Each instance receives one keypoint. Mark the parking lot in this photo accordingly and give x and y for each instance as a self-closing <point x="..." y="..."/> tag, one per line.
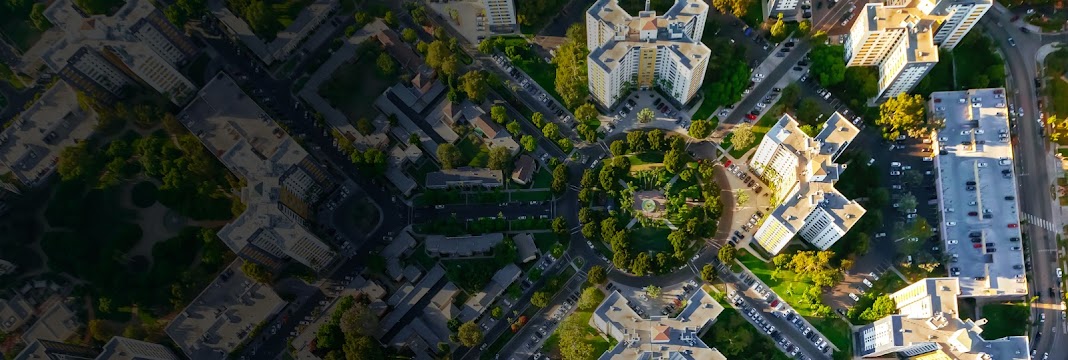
<point x="747" y="216"/>
<point x="792" y="334"/>
<point x="624" y="117"/>
<point x="528" y="342"/>
<point x="531" y="87"/>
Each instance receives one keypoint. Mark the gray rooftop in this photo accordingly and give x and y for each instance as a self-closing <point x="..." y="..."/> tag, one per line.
<point x="120" y="348"/>
<point x="465" y="176"/>
<point x="223" y="315"/>
<point x="14" y="313"/>
<point x="58" y="323"/>
<point x="30" y="146"/>
<point x="462" y="245"/>
<point x="977" y="148"/>
<point x="658" y="337"/>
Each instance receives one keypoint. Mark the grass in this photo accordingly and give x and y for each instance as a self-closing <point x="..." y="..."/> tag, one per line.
<point x="21" y="33"/>
<point x="726" y="335"/>
<point x="419" y="256"/>
<point x="1058" y="93"/>
<point x="419" y="172"/>
<point x="354" y="87"/>
<point x="759" y="129"/>
<point x="940" y="78"/>
<point x="590" y="336"/>
<point x="532" y="195"/>
<point x="472" y="151"/>
<point x="754" y="14"/>
<point x="545" y="241"/>
<point x="646" y="158"/>
<point x="543" y="179"/>
<point x="1006" y="319"/>
<point x="837" y="331"/>
<point x="650" y="238"/>
<point x="789" y="285"/>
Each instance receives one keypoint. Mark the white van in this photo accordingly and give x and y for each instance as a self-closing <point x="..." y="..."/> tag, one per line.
<point x="854" y="297"/>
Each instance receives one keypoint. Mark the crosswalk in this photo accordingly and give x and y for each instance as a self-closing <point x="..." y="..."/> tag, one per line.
<point x="1040" y="222"/>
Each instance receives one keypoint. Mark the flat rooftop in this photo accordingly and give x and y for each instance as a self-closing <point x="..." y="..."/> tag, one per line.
<point x="58" y="323"/>
<point x="223" y="315"/>
<point x="670" y="35"/>
<point x="976" y="187"/>
<point x="463" y="245"/>
<point x="658" y="337"/>
<point x="464" y="176"/>
<point x="30" y="146"/>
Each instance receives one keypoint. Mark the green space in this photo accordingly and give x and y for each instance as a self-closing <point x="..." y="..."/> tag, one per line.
<point x="1005" y="319"/>
<point x="533" y="15"/>
<point x="727" y="74"/>
<point x="418" y="172"/>
<point x="837" y="331"/>
<point x="143" y="194"/>
<point x="3" y="101"/>
<point x="472" y="151"/>
<point x="940" y="78"/>
<point x="973" y="64"/>
<point x="789" y="285"/>
<point x="754" y="14"/>
<point x="521" y="55"/>
<point x="887" y="284"/>
<point x="1049" y="21"/>
<point x="9" y="76"/>
<point x="650" y="238"/>
<point x="265" y="18"/>
<point x="24" y="21"/>
<point x="733" y="336"/>
<point x="542" y="179"/>
<point x="354" y="86"/>
<point x="576" y="328"/>
<point x="644" y="158"/>
<point x="759" y="129"/>
<point x="1057" y="87"/>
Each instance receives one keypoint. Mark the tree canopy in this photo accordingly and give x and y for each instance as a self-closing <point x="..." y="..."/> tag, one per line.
<point x="449" y="155"/>
<point x="828" y="64"/>
<point x="743" y="136"/>
<point x="903" y="115"/>
<point x="474" y="85"/>
<point x="470" y="334"/>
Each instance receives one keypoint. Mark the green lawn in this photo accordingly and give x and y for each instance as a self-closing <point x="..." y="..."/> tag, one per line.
<point x="1007" y="319"/>
<point x="789" y="285"/>
<point x="472" y="151"/>
<point x="759" y="129"/>
<point x="545" y="241"/>
<point x="754" y="14"/>
<point x="591" y="336"/>
<point x="837" y="331"/>
<point x="542" y="179"/>
<point x="1058" y="91"/>
<point x="733" y="336"/>
<point x="354" y="86"/>
<point x="646" y="158"/>
<point x="532" y="195"/>
<point x="419" y="172"/>
<point x="650" y="238"/>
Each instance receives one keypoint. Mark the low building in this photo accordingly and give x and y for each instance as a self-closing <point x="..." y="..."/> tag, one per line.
<point x="224" y="315"/>
<point x="525" y="166"/>
<point x="57" y="350"/>
<point x="525" y="247"/>
<point x="462" y="246"/>
<point x="58" y="323"/>
<point x="478" y="303"/>
<point x="802" y="171"/>
<point x="404" y="300"/>
<point x="286" y="41"/>
<point x="928" y="324"/>
<point x="30" y="146"/>
<point x="399" y="247"/>
<point x="14" y="313"/>
<point x="408" y="58"/>
<point x="120" y="348"/>
<point x="464" y="177"/>
<point x="658" y="337"/>
<point x="500" y="15"/>
<point x="6" y="267"/>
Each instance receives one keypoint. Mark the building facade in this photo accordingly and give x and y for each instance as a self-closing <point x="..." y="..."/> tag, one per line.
<point x="801" y="172"/>
<point x="500" y="15"/>
<point x="646" y="51"/>
<point x="902" y="38"/>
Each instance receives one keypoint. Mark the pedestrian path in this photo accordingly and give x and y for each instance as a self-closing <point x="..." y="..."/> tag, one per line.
<point x="1040" y="222"/>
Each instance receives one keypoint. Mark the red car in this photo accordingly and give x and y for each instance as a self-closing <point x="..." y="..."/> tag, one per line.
<point x="728" y="163"/>
<point x="750" y="116"/>
<point x="977" y="246"/>
<point x="1013" y="226"/>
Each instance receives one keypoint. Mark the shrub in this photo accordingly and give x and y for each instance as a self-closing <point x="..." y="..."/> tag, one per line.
<point x="143" y="194"/>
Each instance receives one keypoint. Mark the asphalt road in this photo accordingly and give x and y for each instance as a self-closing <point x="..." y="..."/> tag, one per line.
<point x="1034" y="180"/>
<point x="763" y="88"/>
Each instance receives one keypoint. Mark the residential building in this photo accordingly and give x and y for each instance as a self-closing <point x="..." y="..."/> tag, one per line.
<point x="462" y="246"/>
<point x="120" y="348"/>
<point x="6" y="267"/>
<point x="902" y="38"/>
<point x="500" y="15"/>
<point x="405" y="300"/>
<point x="464" y="177"/>
<point x="56" y="350"/>
<point x="286" y="41"/>
<point x="58" y="323"/>
<point x="928" y="325"/>
<point x="641" y="52"/>
<point x="801" y="171"/>
<point x="658" y="337"/>
<point x="787" y="8"/>
<point x="30" y="146"/>
<point x="14" y="313"/>
<point x="104" y="55"/>
<point x="223" y="316"/>
<point x="400" y="246"/>
<point x="478" y="303"/>
<point x="524" y="169"/>
<point x="284" y="183"/>
<point x="977" y="191"/>
<point x="526" y="249"/>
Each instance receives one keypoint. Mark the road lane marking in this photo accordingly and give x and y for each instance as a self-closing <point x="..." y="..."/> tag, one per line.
<point x="1040" y="222"/>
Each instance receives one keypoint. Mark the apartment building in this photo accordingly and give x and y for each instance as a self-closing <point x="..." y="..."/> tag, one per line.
<point x="902" y="38"/>
<point x="284" y="184"/>
<point x="500" y="15"/>
<point x="801" y="171"/>
<point x="30" y="146"/>
<point x="286" y="41"/>
<point x="928" y="325"/>
<point x="658" y="337"/>
<point x="104" y="55"/>
<point x="640" y="52"/>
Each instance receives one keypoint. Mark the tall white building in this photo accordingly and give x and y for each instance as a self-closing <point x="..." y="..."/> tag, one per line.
<point x="928" y="325"/>
<point x="902" y="38"/>
<point x="645" y="51"/>
<point x="500" y="15"/>
<point x="801" y="172"/>
<point x="101" y="55"/>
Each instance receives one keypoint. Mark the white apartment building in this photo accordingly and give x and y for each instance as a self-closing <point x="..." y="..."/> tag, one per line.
<point x="500" y="15"/>
<point x="928" y="326"/>
<point x="628" y="52"/>
<point x="283" y="181"/>
<point x="902" y="38"/>
<point x="801" y="172"/>
<point x="101" y="55"/>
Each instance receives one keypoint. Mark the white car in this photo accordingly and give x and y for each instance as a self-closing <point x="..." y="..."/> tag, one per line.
<point x="951" y="242"/>
<point x="928" y="159"/>
<point x="951" y="223"/>
<point x="981" y="164"/>
<point x="895" y="164"/>
<point x="1059" y="273"/>
<point x="895" y="173"/>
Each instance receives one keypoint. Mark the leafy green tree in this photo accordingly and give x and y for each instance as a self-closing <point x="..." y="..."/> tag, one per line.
<point x="804" y="27"/>
<point x="903" y="115"/>
<point x="596" y="275"/>
<point x="700" y="129"/>
<point x="727" y="255"/>
<point x="808" y="111"/>
<point x="499" y="157"/>
<point x="708" y="273"/>
<point x="636" y="140"/>
<point x="743" y="136"/>
<point x="537" y="119"/>
<point x="655" y="139"/>
<point x="413" y="139"/>
<point x="362" y="348"/>
<point x="496" y="312"/>
<point x="470" y="334"/>
<point x="551" y="131"/>
<point x="38" y="18"/>
<point x="590" y="298"/>
<point x="653" y="291"/>
<point x="529" y="143"/>
<point x="409" y="35"/>
<point x="559" y="227"/>
<point x="591" y="230"/>
<point x="513" y="128"/>
<point x="362" y="18"/>
<point x="474" y="85"/>
<point x="778" y="30"/>
<point x="645" y="115"/>
<point x="674" y="161"/>
<point x="570" y="81"/>
<point x="790" y="94"/>
<point x="560" y="179"/>
<point x="586" y="113"/>
<point x="359" y="320"/>
<point x="364" y="126"/>
<point x="449" y="155"/>
<point x="386" y="65"/>
<point x="257" y="272"/>
<point x="618" y="147"/>
<point x="539" y="299"/>
<point x="572" y="335"/>
<point x="390" y="19"/>
<point x="75" y="162"/>
<point x="862" y="82"/>
<point x="641" y="264"/>
<point x="499" y="114"/>
<point x="828" y="64"/>
<point x="907" y="203"/>
<point x="883" y="306"/>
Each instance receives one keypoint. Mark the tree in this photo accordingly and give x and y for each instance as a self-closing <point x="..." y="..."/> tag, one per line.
<point x="645" y="115"/>
<point x="591" y="230"/>
<point x="1058" y="128"/>
<point x="560" y="179"/>
<point x="863" y="82"/>
<point x="743" y="136"/>
<point x="529" y="143"/>
<point x="570" y="62"/>
<point x="726" y="255"/>
<point x="38" y="18"/>
<point x="559" y="227"/>
<point x="778" y="30"/>
<point x="596" y="275"/>
<point x="257" y="272"/>
<point x="641" y="264"/>
<point x="804" y="27"/>
<point x="413" y="139"/>
<point x="499" y="114"/>
<point x="781" y="261"/>
<point x="390" y="19"/>
<point x="101" y="331"/>
<point x="449" y="155"/>
<point x="496" y="312"/>
<point x="537" y="119"/>
<point x="364" y="126"/>
<point x="513" y="128"/>
<point x="470" y="334"/>
<point x="362" y="348"/>
<point x="539" y="299"/>
<point x="700" y="129"/>
<point x="362" y="18"/>
<point x="808" y="111"/>
<point x="590" y="298"/>
<point x="409" y="35"/>
<point x="618" y="147"/>
<point x="828" y="64"/>
<point x="911" y="177"/>
<point x="551" y="131"/>
<point x="586" y="113"/>
<point x="261" y="17"/>
<point x="499" y="157"/>
<point x="901" y="115"/>
<point x="653" y="291"/>
<point x="359" y="320"/>
<point x="655" y="139"/>
<point x="474" y="85"/>
<point x="906" y="203"/>
<point x="104" y="304"/>
<point x="883" y="306"/>
<point x="572" y="335"/>
<point x="386" y="65"/>
<point x="674" y="161"/>
<point x="75" y="162"/>
<point x="708" y="273"/>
